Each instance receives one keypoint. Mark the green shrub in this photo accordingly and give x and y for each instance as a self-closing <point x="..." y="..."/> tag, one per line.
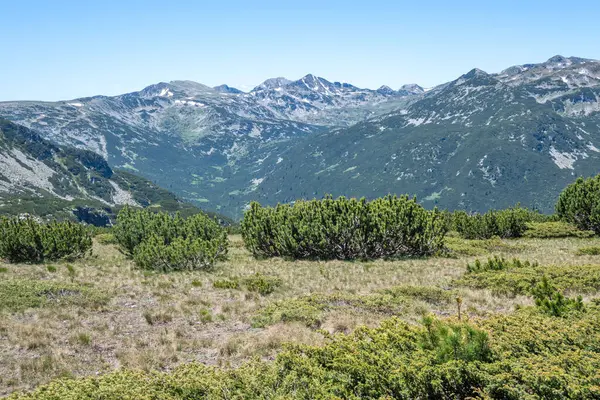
<point x="579" y="204"/>
<point x="522" y="280"/>
<point x="498" y="264"/>
<point x="233" y="283"/>
<point x="26" y="240"/>
<point x="554" y="229"/>
<point x="455" y="341"/>
<point x="509" y="223"/>
<point x="553" y="302"/>
<point x="162" y="242"/>
<point x="588" y="251"/>
<point x="180" y="254"/>
<point x="262" y="284"/>
<point x="343" y="229"/>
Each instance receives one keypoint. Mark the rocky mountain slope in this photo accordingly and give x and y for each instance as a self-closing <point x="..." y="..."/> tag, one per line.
<point x="200" y="142"/>
<point x="480" y="141"/>
<point x="41" y="178"/>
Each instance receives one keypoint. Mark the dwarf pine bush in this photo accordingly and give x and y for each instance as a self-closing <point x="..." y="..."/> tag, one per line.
<point x="163" y="242"/>
<point x="498" y="264"/>
<point x="552" y="302"/>
<point x="27" y="240"/>
<point x="509" y="223"/>
<point x="579" y="204"/>
<point x="263" y="284"/>
<point x="343" y="229"/>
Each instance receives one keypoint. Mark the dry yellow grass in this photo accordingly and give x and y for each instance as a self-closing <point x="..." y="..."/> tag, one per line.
<point x="156" y="321"/>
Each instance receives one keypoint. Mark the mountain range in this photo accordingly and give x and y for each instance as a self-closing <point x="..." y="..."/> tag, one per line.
<point x="480" y="141"/>
<point x="48" y="180"/>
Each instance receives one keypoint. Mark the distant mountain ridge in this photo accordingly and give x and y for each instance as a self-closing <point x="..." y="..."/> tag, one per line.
<point x="482" y="140"/>
<point x="45" y="179"/>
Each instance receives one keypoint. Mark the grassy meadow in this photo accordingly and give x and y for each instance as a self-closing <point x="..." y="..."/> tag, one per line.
<point x="100" y="313"/>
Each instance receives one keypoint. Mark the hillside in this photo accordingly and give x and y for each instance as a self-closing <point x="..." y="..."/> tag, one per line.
<point x="207" y="141"/>
<point x="477" y="142"/>
<point x="45" y="179"/>
<point x="481" y="141"/>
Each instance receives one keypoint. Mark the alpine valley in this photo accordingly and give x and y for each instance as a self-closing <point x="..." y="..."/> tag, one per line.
<point x="480" y="141"/>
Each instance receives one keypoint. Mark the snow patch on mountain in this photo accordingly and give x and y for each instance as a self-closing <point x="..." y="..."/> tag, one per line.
<point x="563" y="160"/>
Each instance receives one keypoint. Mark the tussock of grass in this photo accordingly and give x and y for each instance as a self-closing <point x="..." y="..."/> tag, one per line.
<point x="22" y="294"/>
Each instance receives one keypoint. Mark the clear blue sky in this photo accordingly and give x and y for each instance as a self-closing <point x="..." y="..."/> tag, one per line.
<point x="63" y="49"/>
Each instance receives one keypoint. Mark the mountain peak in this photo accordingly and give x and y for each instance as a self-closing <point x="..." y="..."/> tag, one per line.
<point x="189" y="87"/>
<point x="161" y="89"/>
<point x="273" y="83"/>
<point x="386" y="90"/>
<point x="310" y="77"/>
<point x="558" y="59"/>
<point x="475" y="73"/>
<point x="412" y="88"/>
<point x="227" y="89"/>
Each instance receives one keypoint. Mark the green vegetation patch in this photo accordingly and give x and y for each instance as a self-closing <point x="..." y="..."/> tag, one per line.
<point x="520" y="277"/>
<point x="259" y="283"/>
<point x="525" y="355"/>
<point x="263" y="284"/>
<point x="30" y="241"/>
<point x="22" y="294"/>
<point x="498" y="264"/>
<point x="344" y="229"/>
<point x="106" y="238"/>
<point x="164" y="242"/>
<point x="508" y="223"/>
<point x="467" y="247"/>
<point x="310" y="310"/>
<point x="227" y="283"/>
<point x="555" y="229"/>
<point x="579" y="204"/>
<point x="588" y="251"/>
<point x="551" y="301"/>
